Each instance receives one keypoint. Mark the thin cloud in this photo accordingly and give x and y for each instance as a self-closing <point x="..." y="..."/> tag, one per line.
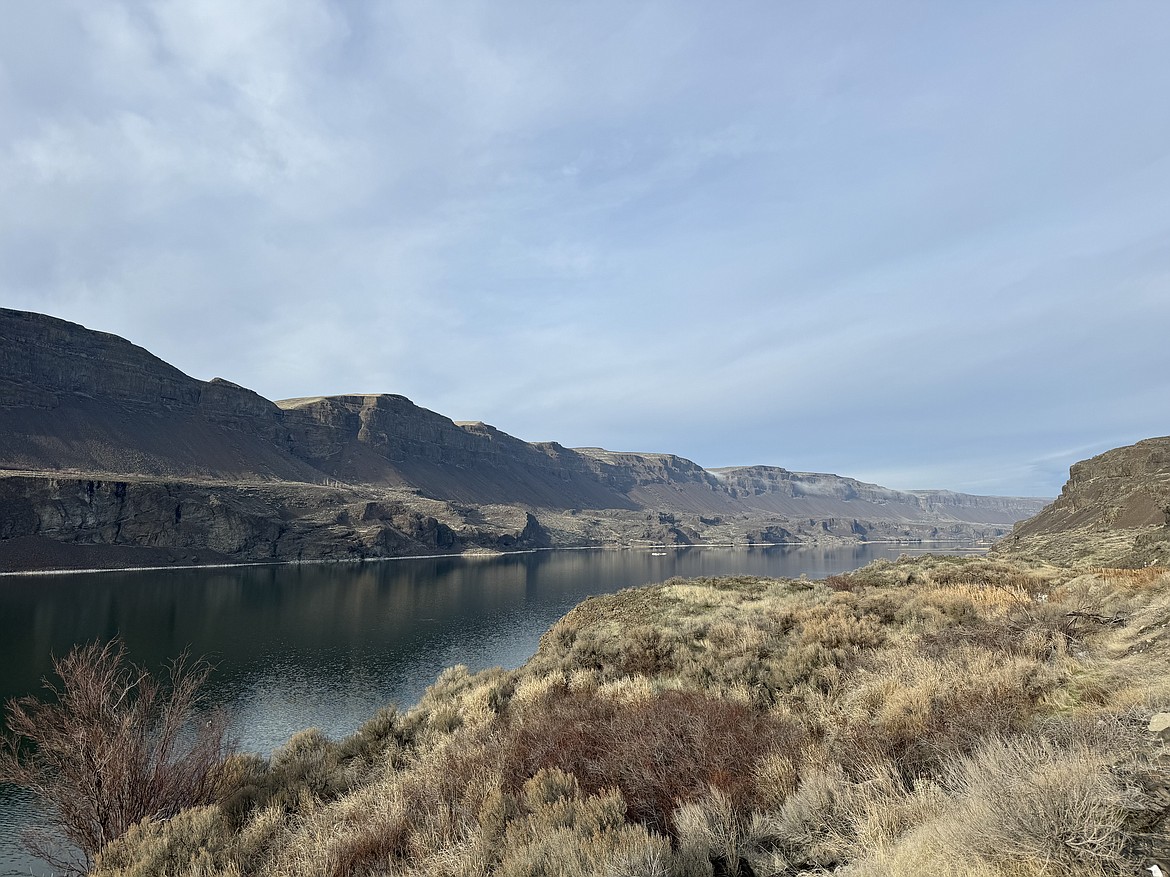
<point x="919" y="244"/>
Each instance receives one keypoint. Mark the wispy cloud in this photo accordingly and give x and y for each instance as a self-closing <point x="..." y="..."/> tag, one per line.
<point x="918" y="244"/>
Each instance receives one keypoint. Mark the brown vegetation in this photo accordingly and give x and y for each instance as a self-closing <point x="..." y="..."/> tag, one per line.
<point x="931" y="715"/>
<point x="660" y="752"/>
<point x="112" y="746"/>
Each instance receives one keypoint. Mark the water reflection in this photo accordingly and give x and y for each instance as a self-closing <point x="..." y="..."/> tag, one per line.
<point x="326" y="645"/>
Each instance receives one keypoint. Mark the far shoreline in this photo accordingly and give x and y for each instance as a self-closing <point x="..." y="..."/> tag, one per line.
<point x="483" y="554"/>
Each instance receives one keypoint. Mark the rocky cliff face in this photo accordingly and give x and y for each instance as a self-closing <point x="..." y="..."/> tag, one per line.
<point x="44" y="361"/>
<point x="388" y="440"/>
<point x="89" y="402"/>
<point x="1113" y="511"/>
<point x="769" y="488"/>
<point x="48" y="522"/>
<point x="966" y="507"/>
<point x="103" y="445"/>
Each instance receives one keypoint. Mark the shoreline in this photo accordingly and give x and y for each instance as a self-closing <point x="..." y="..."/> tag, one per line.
<point x="642" y="545"/>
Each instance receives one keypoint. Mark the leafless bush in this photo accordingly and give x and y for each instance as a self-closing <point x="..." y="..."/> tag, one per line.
<point x="112" y="745"/>
<point x="842" y="583"/>
<point x="659" y="753"/>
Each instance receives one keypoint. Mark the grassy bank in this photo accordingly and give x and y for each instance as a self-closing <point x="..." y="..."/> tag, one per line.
<point x="944" y="715"/>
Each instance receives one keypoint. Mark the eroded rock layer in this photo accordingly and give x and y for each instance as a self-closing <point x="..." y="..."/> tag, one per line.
<point x="1114" y="510"/>
<point x="112" y="457"/>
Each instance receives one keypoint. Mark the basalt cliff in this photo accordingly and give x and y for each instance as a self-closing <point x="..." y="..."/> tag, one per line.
<point x="111" y="457"/>
<point x="1114" y="511"/>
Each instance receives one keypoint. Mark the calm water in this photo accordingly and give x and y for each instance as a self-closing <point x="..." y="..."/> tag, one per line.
<point x="326" y="645"/>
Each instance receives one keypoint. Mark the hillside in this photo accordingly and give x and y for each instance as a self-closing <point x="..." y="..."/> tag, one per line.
<point x="111" y="457"/>
<point x="1114" y="510"/>
<point x="925" y="716"/>
<point x="995" y="717"/>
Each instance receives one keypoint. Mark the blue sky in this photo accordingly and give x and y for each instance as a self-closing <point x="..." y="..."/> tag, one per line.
<point x="920" y="244"/>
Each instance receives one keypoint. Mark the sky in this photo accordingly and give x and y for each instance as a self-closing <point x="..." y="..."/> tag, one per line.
<point x="926" y="245"/>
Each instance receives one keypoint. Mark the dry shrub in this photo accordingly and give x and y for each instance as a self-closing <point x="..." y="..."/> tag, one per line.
<point x="944" y="641"/>
<point x="776" y="778"/>
<point x="919" y="712"/>
<point x="832" y="819"/>
<point x="309" y="763"/>
<point x="374" y="841"/>
<point x="645" y="650"/>
<point x="713" y="830"/>
<point x="647" y="631"/>
<point x="746" y="637"/>
<point x="1114" y="598"/>
<point x="559" y="831"/>
<point x="840" y="625"/>
<point x="1027" y="800"/>
<point x="984" y="574"/>
<point x="1139" y="579"/>
<point x="1037" y="630"/>
<point x="843" y="583"/>
<point x="1022" y="807"/>
<point x="823" y="642"/>
<point x="245" y="784"/>
<point x="485" y="693"/>
<point x="813" y="827"/>
<point x="610" y="651"/>
<point x="456" y="778"/>
<point x="186" y="842"/>
<point x="989" y="596"/>
<point x="918" y="853"/>
<point x="254" y="843"/>
<point x="196" y="841"/>
<point x="882" y="808"/>
<point x="377" y="736"/>
<point x="926" y="572"/>
<point x="112" y="745"/>
<point x="421" y="812"/>
<point x="307" y="771"/>
<point x="660" y="752"/>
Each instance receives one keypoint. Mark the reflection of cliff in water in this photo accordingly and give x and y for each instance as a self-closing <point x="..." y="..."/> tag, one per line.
<point x="393" y="624"/>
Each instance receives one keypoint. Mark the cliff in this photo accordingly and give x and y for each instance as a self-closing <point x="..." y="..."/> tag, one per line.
<point x="1114" y="510"/>
<point x="797" y="494"/>
<point x="89" y="402"/>
<point x="110" y="456"/>
<point x="388" y="440"/>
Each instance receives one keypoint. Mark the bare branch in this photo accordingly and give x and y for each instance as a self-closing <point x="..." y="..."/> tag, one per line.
<point x="111" y="746"/>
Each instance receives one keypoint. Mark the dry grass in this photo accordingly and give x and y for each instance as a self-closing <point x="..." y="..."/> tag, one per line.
<point x="962" y="715"/>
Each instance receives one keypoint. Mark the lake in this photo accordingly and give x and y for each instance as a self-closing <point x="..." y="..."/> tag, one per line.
<point x="327" y="644"/>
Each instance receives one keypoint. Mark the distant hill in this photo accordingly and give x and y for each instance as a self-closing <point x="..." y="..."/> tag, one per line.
<point x="110" y="456"/>
<point x="1113" y="511"/>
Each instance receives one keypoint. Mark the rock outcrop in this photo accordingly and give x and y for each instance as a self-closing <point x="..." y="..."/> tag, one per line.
<point x="387" y="439"/>
<point x="798" y="494"/>
<point x="142" y="522"/>
<point x="89" y="402"/>
<point x="103" y="446"/>
<point x="1113" y="511"/>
